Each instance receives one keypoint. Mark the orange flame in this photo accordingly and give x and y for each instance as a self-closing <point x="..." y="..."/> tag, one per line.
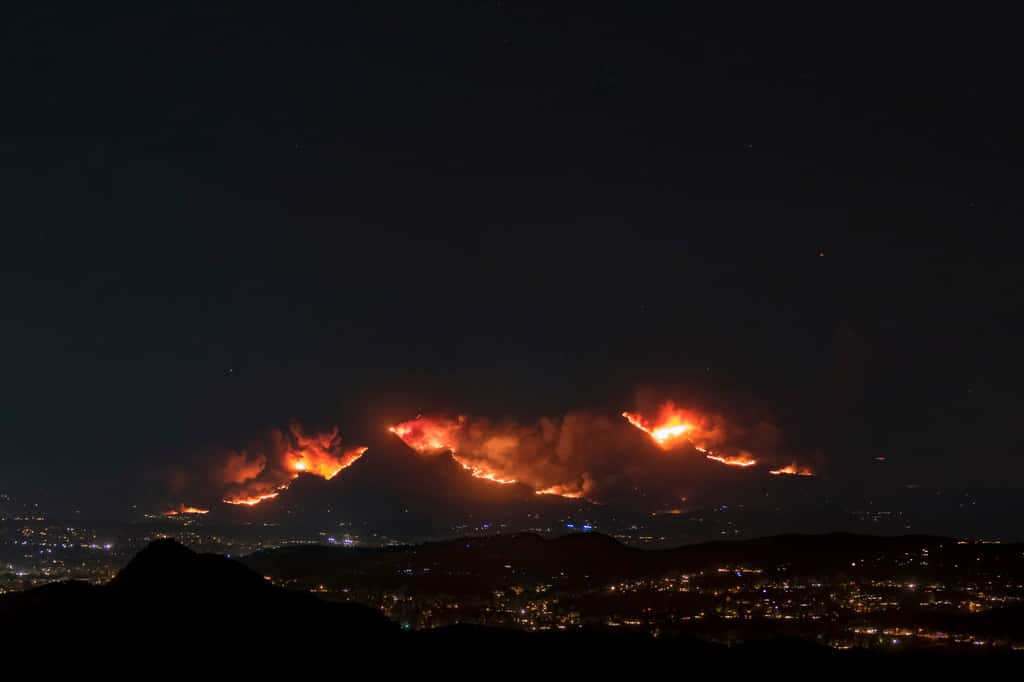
<point x="670" y="427"/>
<point x="294" y="454"/>
<point x="562" y="490"/>
<point x="481" y="471"/>
<point x="792" y="470"/>
<point x="434" y="434"/>
<point x="185" y="509"/>
<point x="317" y="460"/>
<point x="675" y="426"/>
<point x="253" y="500"/>
<point x="742" y="460"/>
<point x="428" y="434"/>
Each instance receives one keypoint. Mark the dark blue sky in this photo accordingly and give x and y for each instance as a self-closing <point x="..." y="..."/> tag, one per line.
<point x="217" y="219"/>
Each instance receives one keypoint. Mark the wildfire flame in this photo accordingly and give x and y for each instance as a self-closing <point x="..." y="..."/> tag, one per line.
<point x="185" y="509"/>
<point x="252" y="500"/>
<point x="480" y="471"/>
<point x="792" y="470"/>
<point x="295" y="454"/>
<point x="562" y="490"/>
<point x="670" y="426"/>
<point x="431" y="434"/>
<point x="577" y="455"/>
<point x="674" y="426"/>
<point x="315" y="459"/>
<point x="741" y="460"/>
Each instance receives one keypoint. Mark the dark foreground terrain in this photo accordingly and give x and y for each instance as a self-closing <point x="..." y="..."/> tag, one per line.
<point x="173" y="605"/>
<point x="839" y="590"/>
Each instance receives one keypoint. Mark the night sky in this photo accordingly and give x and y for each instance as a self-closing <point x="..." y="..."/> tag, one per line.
<point x="217" y="219"/>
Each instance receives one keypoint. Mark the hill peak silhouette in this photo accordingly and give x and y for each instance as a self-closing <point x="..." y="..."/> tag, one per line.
<point x="166" y="567"/>
<point x="168" y="589"/>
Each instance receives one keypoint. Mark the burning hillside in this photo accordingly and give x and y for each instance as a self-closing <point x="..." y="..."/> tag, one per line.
<point x="674" y="426"/>
<point x="792" y="470"/>
<point x="660" y="454"/>
<point x="184" y="509"/>
<point x="435" y="436"/>
<point x="254" y="478"/>
<point x="548" y="456"/>
<point x="591" y="455"/>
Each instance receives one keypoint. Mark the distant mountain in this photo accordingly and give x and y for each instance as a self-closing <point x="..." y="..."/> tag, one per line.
<point x="459" y="566"/>
<point x="589" y="560"/>
<point x="394" y="490"/>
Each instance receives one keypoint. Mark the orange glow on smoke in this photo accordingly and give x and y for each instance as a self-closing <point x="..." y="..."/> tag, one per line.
<point x="792" y="470"/>
<point x="428" y="434"/>
<point x="482" y="471"/>
<point x="674" y="426"/>
<point x="185" y="509"/>
<point x="294" y="453"/>
<point x="434" y="434"/>
<point x="315" y="459"/>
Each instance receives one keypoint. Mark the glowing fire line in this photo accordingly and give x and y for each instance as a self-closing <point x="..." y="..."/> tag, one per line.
<point x="562" y="491"/>
<point x="663" y="433"/>
<point x="316" y="456"/>
<point x="673" y="425"/>
<point x="481" y="473"/>
<point x="792" y="470"/>
<point x="185" y="509"/>
<point x="425" y="435"/>
<point x="738" y="461"/>
<point x="253" y="499"/>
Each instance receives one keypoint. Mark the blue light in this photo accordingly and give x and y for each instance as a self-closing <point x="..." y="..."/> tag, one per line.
<point x="569" y="525"/>
<point x="587" y="526"/>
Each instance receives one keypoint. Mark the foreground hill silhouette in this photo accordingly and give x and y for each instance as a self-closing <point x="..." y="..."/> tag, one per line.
<point x="169" y="590"/>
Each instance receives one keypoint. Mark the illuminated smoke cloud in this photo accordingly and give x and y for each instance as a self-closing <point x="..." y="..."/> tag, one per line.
<point x="239" y="468"/>
<point x="253" y="478"/>
<point x="710" y="434"/>
<point x="655" y="453"/>
<point x="581" y="454"/>
<point x="661" y="452"/>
